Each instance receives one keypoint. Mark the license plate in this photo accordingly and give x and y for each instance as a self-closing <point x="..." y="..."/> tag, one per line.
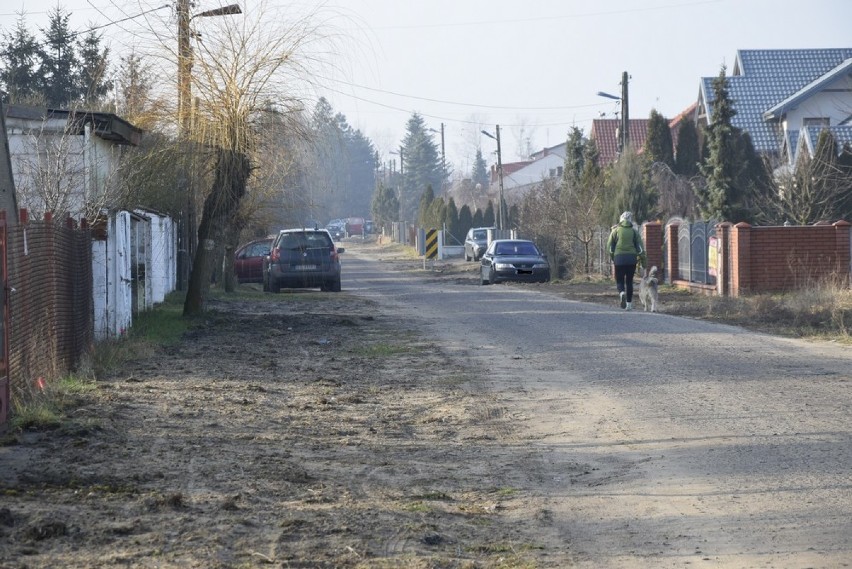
<point x="525" y="271"/>
<point x="305" y="267"/>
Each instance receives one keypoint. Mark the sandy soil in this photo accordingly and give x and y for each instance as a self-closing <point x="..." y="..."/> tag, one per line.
<point x="301" y="430"/>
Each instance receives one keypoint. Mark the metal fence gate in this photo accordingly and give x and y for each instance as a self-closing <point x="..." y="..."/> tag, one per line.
<point x="694" y="239"/>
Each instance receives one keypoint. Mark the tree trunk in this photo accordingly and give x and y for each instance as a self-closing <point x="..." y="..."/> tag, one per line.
<point x="232" y="171"/>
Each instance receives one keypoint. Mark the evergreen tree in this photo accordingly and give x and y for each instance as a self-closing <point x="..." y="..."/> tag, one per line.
<point x="58" y="60"/>
<point x="465" y="220"/>
<point x="574" y="158"/>
<point x="19" y="54"/>
<point x="488" y="216"/>
<point x="480" y="170"/>
<point x="658" y="144"/>
<point x="423" y="210"/>
<point x="717" y="199"/>
<point x="385" y="206"/>
<point x="688" y="154"/>
<point x="92" y="83"/>
<point x="422" y="164"/>
<point x="479" y="218"/>
<point x="451" y="220"/>
<point x="629" y="189"/>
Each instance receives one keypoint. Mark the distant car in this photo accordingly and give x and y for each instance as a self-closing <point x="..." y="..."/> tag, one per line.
<point x="248" y="260"/>
<point x="337" y="230"/>
<point x="516" y="260"/>
<point x="475" y="243"/>
<point x="303" y="258"/>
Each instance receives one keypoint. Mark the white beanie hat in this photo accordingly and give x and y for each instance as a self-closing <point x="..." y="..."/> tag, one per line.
<point x="626" y="216"/>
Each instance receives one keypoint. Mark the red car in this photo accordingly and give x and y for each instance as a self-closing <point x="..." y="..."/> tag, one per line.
<point x="248" y="260"/>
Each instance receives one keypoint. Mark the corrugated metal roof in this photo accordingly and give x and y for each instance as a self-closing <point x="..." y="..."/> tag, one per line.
<point x="763" y="78"/>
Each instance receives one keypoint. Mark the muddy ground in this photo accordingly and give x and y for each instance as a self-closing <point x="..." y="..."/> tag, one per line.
<point x="292" y="430"/>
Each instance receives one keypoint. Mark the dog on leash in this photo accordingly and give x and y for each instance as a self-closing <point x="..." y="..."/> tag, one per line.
<point x="648" y="289"/>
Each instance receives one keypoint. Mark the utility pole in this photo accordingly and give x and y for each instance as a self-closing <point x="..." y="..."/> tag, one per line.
<point x="625" y="117"/>
<point x="500" y="212"/>
<point x="443" y="159"/>
<point x="184" y="68"/>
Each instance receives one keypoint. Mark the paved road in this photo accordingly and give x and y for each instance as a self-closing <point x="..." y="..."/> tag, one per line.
<point x="653" y="441"/>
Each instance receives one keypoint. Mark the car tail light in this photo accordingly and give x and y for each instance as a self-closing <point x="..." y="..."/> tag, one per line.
<point x="275" y="255"/>
<point x="333" y="254"/>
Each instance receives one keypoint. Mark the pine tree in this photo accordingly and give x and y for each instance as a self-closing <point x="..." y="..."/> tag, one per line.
<point x="574" y="158"/>
<point x="422" y="164"/>
<point x="658" y="144"/>
<point x="58" y="60"/>
<point x="19" y="77"/>
<point x="480" y="170"/>
<point x="92" y="83"/>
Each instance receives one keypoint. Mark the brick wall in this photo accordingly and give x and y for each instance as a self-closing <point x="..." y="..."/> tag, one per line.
<point x="771" y="259"/>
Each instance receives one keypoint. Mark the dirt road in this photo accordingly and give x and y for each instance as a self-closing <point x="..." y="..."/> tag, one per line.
<point x="361" y="429"/>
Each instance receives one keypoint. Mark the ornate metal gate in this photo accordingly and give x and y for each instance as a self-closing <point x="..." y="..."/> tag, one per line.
<point x="693" y="243"/>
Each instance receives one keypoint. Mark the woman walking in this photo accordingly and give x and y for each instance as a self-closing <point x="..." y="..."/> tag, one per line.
<point x="625" y="250"/>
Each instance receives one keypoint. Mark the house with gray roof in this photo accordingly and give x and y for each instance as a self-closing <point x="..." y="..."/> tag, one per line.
<point x="785" y="97"/>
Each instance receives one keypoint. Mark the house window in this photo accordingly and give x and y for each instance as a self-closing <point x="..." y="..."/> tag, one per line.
<point x="559" y="171"/>
<point x="816" y="121"/>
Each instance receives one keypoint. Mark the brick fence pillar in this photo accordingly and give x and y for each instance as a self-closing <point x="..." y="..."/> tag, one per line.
<point x="671" y="253"/>
<point x="652" y="237"/>
<point x="843" y="241"/>
<point x="723" y="276"/>
<point x="741" y="259"/>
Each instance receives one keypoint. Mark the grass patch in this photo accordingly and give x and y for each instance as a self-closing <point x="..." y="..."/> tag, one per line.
<point x="383" y="350"/>
<point x="417" y="506"/>
<point x="164" y="324"/>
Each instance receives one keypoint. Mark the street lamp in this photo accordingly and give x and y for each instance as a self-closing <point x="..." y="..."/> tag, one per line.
<point x="624" y="134"/>
<point x="185" y="56"/>
<point x="500" y="212"/>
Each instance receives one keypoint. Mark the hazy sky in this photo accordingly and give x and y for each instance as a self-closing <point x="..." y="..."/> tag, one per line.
<point x="534" y="68"/>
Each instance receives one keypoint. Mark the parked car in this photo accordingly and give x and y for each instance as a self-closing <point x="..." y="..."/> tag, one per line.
<point x="248" y="260"/>
<point x="475" y="243"/>
<point x="513" y="260"/>
<point x="303" y="258"/>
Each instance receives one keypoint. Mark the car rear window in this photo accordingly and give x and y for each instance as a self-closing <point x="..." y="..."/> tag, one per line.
<point x="309" y="240"/>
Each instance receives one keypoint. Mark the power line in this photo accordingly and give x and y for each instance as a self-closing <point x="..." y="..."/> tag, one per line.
<point x="476" y="105"/>
<point x="448" y="119"/>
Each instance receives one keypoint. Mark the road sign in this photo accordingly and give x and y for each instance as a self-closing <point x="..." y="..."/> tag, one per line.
<point x="431" y="243"/>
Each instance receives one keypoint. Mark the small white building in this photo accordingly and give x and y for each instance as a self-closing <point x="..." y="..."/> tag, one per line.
<point x="65" y="161"/>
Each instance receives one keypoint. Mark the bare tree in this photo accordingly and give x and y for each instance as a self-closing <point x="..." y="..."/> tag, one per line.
<point x="816" y="190"/>
<point x="675" y="193"/>
<point x="242" y="69"/>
